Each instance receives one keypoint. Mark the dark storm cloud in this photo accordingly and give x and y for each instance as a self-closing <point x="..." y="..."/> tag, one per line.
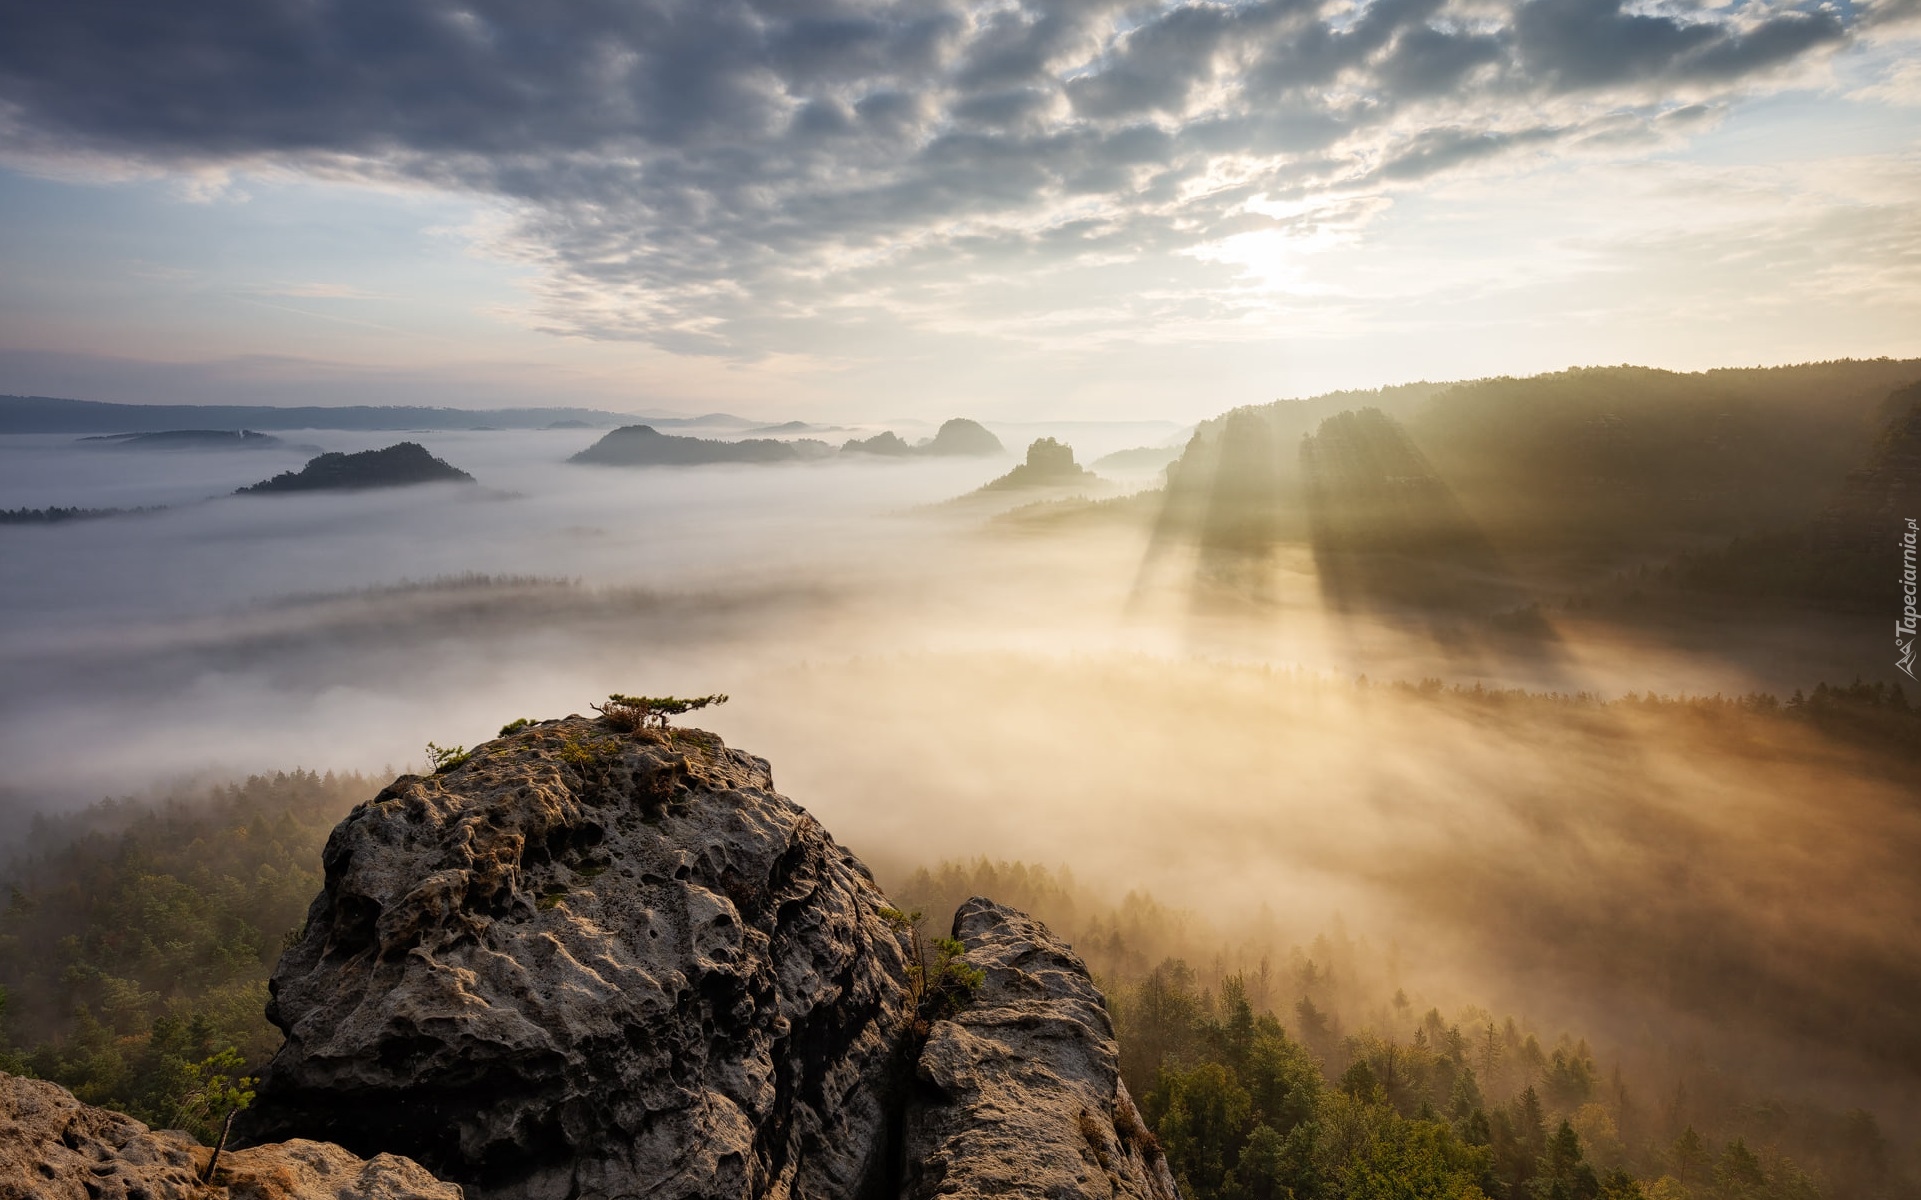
<point x="1427" y="61"/>
<point x="678" y="165"/>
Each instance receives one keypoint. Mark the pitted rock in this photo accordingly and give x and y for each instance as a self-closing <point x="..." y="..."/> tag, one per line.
<point x="587" y="963"/>
<point x="1021" y="1093"/>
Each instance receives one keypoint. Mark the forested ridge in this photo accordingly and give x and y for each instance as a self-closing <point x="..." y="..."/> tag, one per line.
<point x="137" y="937"/>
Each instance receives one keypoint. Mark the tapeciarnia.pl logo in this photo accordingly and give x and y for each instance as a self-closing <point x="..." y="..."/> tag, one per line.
<point x="1904" y="629"/>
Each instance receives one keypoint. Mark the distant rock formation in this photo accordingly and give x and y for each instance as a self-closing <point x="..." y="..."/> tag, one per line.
<point x="957" y="438"/>
<point x="53" y="1147"/>
<point x="188" y="439"/>
<point x="400" y="465"/>
<point x="887" y="444"/>
<point x="1049" y="464"/>
<point x="591" y="963"/>
<point x="961" y="437"/>
<point x="1022" y="1091"/>
<point x="645" y="446"/>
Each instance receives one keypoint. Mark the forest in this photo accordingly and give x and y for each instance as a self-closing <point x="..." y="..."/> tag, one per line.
<point x="1628" y="490"/>
<point x="137" y="939"/>
<point x="138" y="935"/>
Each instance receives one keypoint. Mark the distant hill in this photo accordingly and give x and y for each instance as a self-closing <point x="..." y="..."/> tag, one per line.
<point x="1846" y="559"/>
<point x="399" y="465"/>
<point x="1140" y="459"/>
<point x="957" y="438"/>
<point x="1616" y="457"/>
<point x="786" y="427"/>
<point x="960" y="437"/>
<point x="187" y="439"/>
<point x="1049" y="464"/>
<point x="48" y="414"/>
<point x="645" y="446"/>
<point x="887" y="445"/>
<point x="1870" y="513"/>
<point x="53" y="516"/>
<point x="1611" y="460"/>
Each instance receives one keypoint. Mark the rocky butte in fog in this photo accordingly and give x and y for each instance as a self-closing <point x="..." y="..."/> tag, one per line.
<point x="645" y="446"/>
<point x="958" y="437"/>
<point x="399" y="465"/>
<point x="593" y="962"/>
<point x="1049" y="464"/>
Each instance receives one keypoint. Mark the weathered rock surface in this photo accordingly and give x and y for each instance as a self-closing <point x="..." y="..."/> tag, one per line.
<point x="302" y="1170"/>
<point x="592" y="964"/>
<point x="53" y="1147"/>
<point x="1021" y="1093"/>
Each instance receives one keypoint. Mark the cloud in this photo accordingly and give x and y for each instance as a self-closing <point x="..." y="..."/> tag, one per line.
<point x="1578" y="44"/>
<point x="1435" y="150"/>
<point x="683" y="172"/>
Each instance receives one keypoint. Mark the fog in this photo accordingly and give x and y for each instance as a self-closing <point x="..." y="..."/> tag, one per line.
<point x="940" y="680"/>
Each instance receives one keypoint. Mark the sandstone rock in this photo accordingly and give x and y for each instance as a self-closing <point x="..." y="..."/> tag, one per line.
<point x="302" y="1170"/>
<point x="591" y="964"/>
<point x="1021" y="1093"/>
<point x="53" y="1147"/>
<point x="1050" y="464"/>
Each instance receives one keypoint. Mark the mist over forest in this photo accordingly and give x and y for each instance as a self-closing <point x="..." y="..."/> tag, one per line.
<point x="960" y="600"/>
<point x="1521" y="742"/>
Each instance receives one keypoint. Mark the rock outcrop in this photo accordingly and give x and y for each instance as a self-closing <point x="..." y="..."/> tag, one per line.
<point x="53" y="1147"/>
<point x="886" y="444"/>
<point x="591" y="962"/>
<point x="1049" y="464"/>
<point x="1021" y="1093"/>
<point x="402" y="464"/>
<point x="958" y="437"/>
<point x="587" y="963"/>
<point x="962" y="437"/>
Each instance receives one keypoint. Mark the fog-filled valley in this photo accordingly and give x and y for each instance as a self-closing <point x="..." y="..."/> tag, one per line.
<point x="1568" y="700"/>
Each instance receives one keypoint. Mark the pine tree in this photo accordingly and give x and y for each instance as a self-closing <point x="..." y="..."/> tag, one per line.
<point x="1690" y="1155"/>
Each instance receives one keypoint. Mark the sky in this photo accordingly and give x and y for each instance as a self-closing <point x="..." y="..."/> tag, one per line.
<point x="857" y="210"/>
